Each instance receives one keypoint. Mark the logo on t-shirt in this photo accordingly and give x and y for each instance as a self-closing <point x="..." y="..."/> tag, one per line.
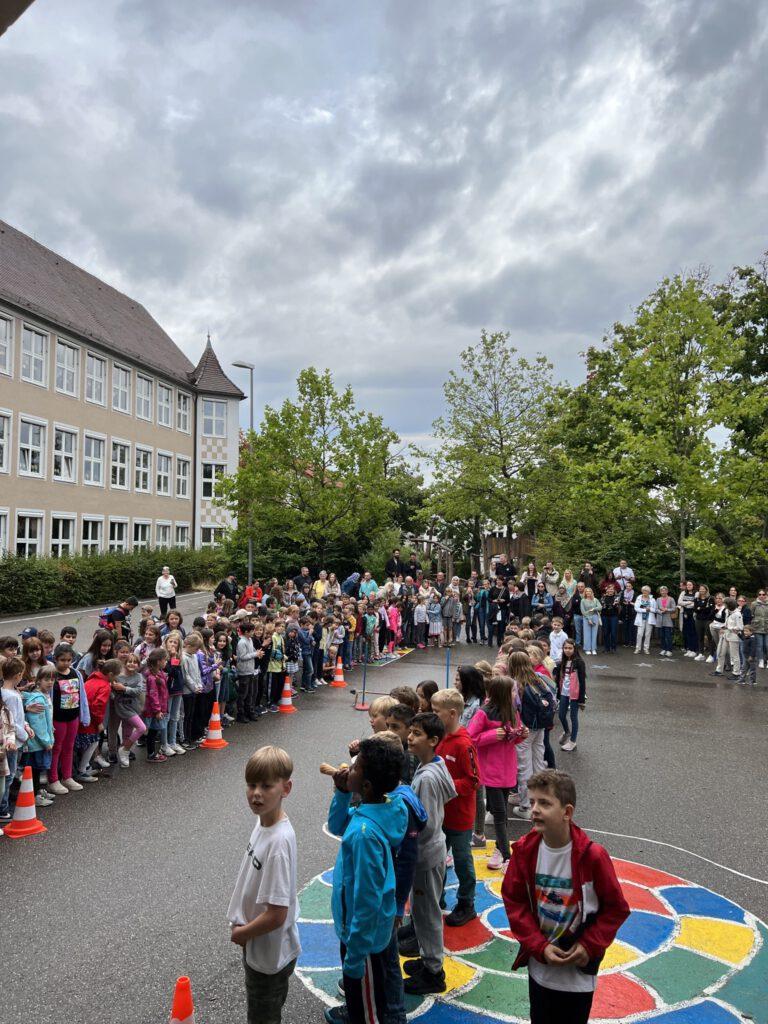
<point x="557" y="905"/>
<point x="254" y="859"/>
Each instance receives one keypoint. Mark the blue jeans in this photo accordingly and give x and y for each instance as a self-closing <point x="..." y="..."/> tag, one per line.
<point x="610" y="632"/>
<point x="394" y="984"/>
<point x="174" y="713"/>
<point x="690" y="640"/>
<point x="590" y="635"/>
<point x="578" y="625"/>
<point x="12" y="757"/>
<point x="566" y="705"/>
<point x="761" y="646"/>
<point x="307" y="682"/>
<point x="459" y="843"/>
<point x="666" y="637"/>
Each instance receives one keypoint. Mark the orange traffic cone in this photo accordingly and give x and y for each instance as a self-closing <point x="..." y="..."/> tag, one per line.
<point x="183" y="1009"/>
<point x="25" y="821"/>
<point x="214" y="740"/>
<point x="285" y="706"/>
<point x="338" y="676"/>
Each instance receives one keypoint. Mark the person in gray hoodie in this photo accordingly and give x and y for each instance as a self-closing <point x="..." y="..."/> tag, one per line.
<point x="434" y="787"/>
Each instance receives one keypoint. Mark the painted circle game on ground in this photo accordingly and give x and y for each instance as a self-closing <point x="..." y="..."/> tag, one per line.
<point x="685" y="955"/>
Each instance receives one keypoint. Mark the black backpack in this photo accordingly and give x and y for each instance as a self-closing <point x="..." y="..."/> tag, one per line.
<point x="542" y="697"/>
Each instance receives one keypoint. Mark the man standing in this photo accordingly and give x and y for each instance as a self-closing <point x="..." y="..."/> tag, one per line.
<point x="395" y="566"/>
<point x="623" y="574"/>
<point x="414" y="565"/>
<point x="302" y="578"/>
<point x="369" y="587"/>
<point x="439" y="583"/>
<point x="760" y="626"/>
<point x="588" y="577"/>
<point x="550" y="577"/>
<point x="227" y="589"/>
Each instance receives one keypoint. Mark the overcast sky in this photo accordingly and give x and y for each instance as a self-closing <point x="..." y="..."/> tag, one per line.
<point x="365" y="185"/>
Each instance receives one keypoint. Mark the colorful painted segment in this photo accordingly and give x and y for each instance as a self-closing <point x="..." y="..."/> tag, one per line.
<point x="684" y="956"/>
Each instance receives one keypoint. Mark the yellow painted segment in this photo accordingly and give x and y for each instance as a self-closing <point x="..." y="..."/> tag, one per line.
<point x="482" y="872"/>
<point x="457" y="974"/>
<point x="722" y="939"/>
<point x="495" y="887"/>
<point x="618" y="955"/>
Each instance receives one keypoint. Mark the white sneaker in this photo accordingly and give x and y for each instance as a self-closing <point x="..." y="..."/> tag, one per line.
<point x="690" y="654"/>
<point x="710" y="660"/>
<point x="637" y="650"/>
<point x="102" y="762"/>
<point x="57" y="788"/>
<point x="178" y="748"/>
<point x="43" y="801"/>
<point x="87" y="777"/>
<point x="761" y="663"/>
<point x="594" y="654"/>
<point x="71" y="785"/>
<point x="522" y="812"/>
<point x="570" y="745"/>
<point x="122" y="757"/>
<point x="698" y="657"/>
<point x="168" y="751"/>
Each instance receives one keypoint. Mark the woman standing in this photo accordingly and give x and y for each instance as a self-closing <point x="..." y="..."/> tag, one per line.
<point x="686" y="602"/>
<point x="590" y="610"/>
<point x="666" y="610"/>
<point x="165" y="589"/>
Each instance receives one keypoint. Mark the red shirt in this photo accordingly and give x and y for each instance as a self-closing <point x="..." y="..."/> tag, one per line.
<point x="458" y="752"/>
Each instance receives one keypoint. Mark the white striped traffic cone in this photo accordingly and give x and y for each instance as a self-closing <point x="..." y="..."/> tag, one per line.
<point x="338" y="676"/>
<point x="25" y="821"/>
<point x="285" y="706"/>
<point x="214" y="739"/>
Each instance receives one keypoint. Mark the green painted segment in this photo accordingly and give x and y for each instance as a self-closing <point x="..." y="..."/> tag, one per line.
<point x="315" y="902"/>
<point x="679" y="974"/>
<point x="494" y="994"/>
<point x="497" y="956"/>
<point x="326" y="981"/>
<point x="747" y="988"/>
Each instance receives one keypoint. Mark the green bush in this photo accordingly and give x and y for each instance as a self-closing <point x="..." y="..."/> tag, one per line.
<point x="31" y="584"/>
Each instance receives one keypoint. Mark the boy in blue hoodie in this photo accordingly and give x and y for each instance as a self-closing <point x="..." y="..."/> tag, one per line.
<point x="307" y="645"/>
<point x="363" y="902"/>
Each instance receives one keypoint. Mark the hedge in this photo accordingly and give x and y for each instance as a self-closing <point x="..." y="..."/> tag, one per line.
<point x="32" y="584"/>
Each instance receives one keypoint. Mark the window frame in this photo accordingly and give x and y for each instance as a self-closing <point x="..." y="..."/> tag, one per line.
<point x="169" y="405"/>
<point x="136" y="546"/>
<point x="96" y="358"/>
<point x="214" y="478"/>
<point x="168" y="492"/>
<point x="187" y="404"/>
<point x="214" y="527"/>
<point x="43" y="424"/>
<point x="72" y="347"/>
<point x="6" y="445"/>
<point x="125" y="522"/>
<point x="86" y="547"/>
<point x="66" y="428"/>
<point x="182" y="460"/>
<point x="5" y="529"/>
<point x="128" y="467"/>
<point x="180" y="526"/>
<point x="66" y="517"/>
<point x="214" y="418"/>
<point x="163" y="524"/>
<point x="120" y="368"/>
<point x="45" y="358"/>
<point x="7" y="369"/>
<point x="144" y="450"/>
<point x="149" y="400"/>
<point x="92" y="435"/>
<point x="30" y="513"/>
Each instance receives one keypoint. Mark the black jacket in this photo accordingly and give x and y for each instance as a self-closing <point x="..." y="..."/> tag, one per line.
<point x="226" y="589"/>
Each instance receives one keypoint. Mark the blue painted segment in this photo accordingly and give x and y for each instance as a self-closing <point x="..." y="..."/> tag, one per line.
<point x="700" y="1013"/>
<point x="688" y="899"/>
<point x="450" y="877"/>
<point x="646" y="932"/>
<point x="319" y="946"/>
<point x="327" y="876"/>
<point x="447" y="1013"/>
<point x="498" y="919"/>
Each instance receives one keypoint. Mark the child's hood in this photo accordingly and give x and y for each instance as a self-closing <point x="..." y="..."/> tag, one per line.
<point x="413" y="804"/>
<point x="390" y="818"/>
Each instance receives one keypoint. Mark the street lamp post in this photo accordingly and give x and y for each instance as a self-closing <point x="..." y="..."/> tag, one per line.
<point x="250" y="368"/>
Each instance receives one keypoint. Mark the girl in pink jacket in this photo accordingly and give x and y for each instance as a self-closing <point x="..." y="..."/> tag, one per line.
<point x="496" y="730"/>
<point x="395" y="625"/>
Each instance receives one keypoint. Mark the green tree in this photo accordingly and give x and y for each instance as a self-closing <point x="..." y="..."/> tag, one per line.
<point x="311" y="484"/>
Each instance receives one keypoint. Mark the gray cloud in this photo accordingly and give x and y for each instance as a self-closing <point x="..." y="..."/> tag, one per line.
<point x="365" y="187"/>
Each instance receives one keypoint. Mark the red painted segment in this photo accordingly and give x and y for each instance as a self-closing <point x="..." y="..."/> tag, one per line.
<point x="629" y="872"/>
<point x="469" y="935"/>
<point x="641" y="899"/>
<point x="618" y="996"/>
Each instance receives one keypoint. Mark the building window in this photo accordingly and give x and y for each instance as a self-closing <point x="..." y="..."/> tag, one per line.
<point x="121" y="389"/>
<point x="6" y="327"/>
<point x="162" y="535"/>
<point x="34" y="356"/>
<point x="92" y="533"/>
<point x="67" y="365"/>
<point x="95" y="378"/>
<point x="5" y="436"/>
<point x="182" y="477"/>
<point x="141" y="536"/>
<point x="213" y="472"/>
<point x="143" y="397"/>
<point x="143" y="476"/>
<point x="3" y="533"/>
<point x="121" y="454"/>
<point x="214" y="419"/>
<point x="93" y="460"/>
<point x="118" y="535"/>
<point x="182" y="412"/>
<point x="62" y="536"/>
<point x="64" y="455"/>
<point x="211" y="536"/>
<point x="164" y="405"/>
<point x="29" y="533"/>
<point x="164" y="466"/>
<point x="31" y="448"/>
<point x="182" y="536"/>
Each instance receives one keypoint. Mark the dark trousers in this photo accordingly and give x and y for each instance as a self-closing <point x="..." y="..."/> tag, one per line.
<point x="549" y="754"/>
<point x="189" y="700"/>
<point x="459" y="844"/>
<point x="202" y="713"/>
<point x="366" y="996"/>
<point x="245" y="691"/>
<point x="703" y="636"/>
<point x="266" y="993"/>
<point x="550" y="1006"/>
<point x="276" y="681"/>
<point x="496" y="801"/>
<point x="478" y="617"/>
<point x="394" y="984"/>
<point x="165" y="604"/>
<point x="307" y="680"/>
<point x="690" y="640"/>
<point x="610" y="631"/>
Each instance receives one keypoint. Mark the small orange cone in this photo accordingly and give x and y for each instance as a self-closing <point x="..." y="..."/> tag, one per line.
<point x="25" y="821"/>
<point x="338" y="676"/>
<point x="285" y="706"/>
<point x="183" y="1009"/>
<point x="214" y="739"/>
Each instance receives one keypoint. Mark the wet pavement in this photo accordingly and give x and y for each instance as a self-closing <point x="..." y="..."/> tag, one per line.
<point x="128" y="888"/>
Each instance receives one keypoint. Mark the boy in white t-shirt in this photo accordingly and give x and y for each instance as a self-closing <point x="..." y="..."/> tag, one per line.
<point x="263" y="909"/>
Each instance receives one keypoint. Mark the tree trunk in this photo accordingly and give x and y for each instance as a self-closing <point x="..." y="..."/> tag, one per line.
<point x="682" y="552"/>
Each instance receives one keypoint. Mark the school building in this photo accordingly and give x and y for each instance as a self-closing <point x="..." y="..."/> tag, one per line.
<point x="110" y="438"/>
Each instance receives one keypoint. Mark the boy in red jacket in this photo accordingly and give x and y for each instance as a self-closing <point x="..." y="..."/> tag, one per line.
<point x="564" y="904"/>
<point x="458" y="751"/>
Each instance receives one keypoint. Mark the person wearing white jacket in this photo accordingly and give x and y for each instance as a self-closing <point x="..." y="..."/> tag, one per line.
<point x="645" y="620"/>
<point x="165" y="589"/>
